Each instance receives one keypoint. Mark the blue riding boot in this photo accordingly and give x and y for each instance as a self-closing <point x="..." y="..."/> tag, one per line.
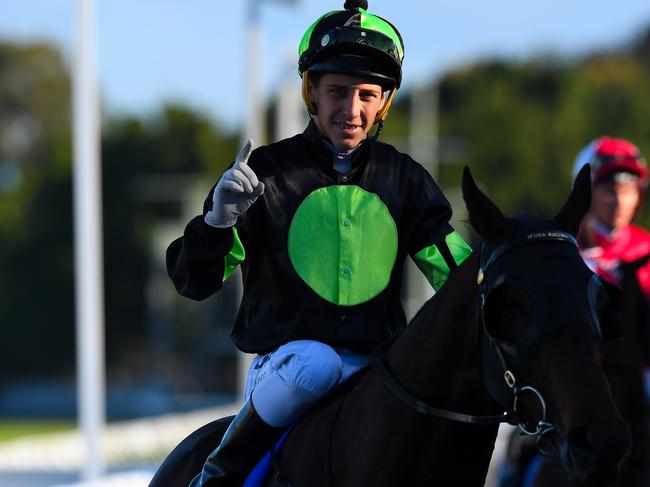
<point x="245" y="442"/>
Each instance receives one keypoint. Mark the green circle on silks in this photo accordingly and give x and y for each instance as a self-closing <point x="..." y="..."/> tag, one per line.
<point x="343" y="244"/>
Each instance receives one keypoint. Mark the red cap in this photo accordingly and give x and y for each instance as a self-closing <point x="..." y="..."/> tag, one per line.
<point x="610" y="157"/>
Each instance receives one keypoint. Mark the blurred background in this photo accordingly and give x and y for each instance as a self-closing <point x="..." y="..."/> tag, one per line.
<point x="509" y="88"/>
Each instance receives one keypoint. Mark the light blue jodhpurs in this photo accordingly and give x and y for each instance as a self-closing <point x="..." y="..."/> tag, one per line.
<point x="288" y="381"/>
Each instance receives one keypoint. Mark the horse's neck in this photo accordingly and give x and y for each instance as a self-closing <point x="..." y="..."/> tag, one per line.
<point x="437" y="358"/>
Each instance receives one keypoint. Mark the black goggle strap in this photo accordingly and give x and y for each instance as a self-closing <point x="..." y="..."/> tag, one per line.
<point x="342" y="36"/>
<point x="366" y="37"/>
<point x="605" y="160"/>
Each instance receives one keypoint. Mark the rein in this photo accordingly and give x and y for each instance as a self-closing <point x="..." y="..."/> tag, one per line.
<point x="421" y="407"/>
<point x="511" y="416"/>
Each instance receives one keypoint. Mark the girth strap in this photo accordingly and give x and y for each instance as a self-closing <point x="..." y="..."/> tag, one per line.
<point x="396" y="388"/>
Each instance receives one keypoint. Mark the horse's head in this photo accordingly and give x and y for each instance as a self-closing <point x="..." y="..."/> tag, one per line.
<point x="545" y="318"/>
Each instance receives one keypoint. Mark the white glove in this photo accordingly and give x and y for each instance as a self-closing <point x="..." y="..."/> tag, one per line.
<point x="235" y="192"/>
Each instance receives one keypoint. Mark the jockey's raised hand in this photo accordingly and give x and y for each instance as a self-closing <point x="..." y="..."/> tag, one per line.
<point x="235" y="192"/>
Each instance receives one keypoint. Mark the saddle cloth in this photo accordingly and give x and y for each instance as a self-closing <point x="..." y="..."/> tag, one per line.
<point x="261" y="472"/>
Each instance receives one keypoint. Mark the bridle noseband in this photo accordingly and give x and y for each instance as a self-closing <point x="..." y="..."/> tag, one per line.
<point x="511" y="415"/>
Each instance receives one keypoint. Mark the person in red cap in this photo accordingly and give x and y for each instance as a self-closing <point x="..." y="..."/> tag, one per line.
<point x="607" y="236"/>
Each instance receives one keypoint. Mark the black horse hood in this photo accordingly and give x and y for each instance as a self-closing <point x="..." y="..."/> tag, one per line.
<point x="558" y="300"/>
<point x="520" y="314"/>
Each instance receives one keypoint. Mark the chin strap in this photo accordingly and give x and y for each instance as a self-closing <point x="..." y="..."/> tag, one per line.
<point x="380" y="126"/>
<point x="381" y="114"/>
<point x="306" y="87"/>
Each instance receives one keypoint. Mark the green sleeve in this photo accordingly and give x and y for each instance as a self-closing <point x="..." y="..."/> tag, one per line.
<point x="235" y="257"/>
<point x="437" y="261"/>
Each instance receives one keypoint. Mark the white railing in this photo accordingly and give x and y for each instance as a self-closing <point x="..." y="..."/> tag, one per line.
<point x="125" y="444"/>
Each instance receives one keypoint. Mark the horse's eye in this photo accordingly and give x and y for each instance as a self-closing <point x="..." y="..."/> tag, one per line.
<point x="507" y="313"/>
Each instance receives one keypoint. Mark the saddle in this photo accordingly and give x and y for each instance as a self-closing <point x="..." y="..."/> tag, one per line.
<point x="269" y="465"/>
<point x="187" y="458"/>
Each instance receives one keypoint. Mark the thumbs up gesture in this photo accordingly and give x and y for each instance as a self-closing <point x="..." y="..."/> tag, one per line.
<point x="235" y="192"/>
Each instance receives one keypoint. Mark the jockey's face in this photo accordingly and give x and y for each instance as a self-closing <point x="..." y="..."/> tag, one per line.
<point x="346" y="106"/>
<point x="614" y="204"/>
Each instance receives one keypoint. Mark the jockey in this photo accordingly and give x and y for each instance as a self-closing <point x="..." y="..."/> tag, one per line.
<point x="321" y="224"/>
<point x="607" y="236"/>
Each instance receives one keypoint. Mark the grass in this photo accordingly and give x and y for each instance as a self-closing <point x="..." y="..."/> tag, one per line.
<point x="11" y="429"/>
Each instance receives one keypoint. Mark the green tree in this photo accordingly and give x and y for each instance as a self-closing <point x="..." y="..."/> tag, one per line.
<point x="36" y="298"/>
<point x="526" y="121"/>
<point x="136" y="154"/>
<point x="36" y="228"/>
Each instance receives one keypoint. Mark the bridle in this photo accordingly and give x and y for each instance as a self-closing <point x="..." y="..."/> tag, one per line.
<point x="512" y="415"/>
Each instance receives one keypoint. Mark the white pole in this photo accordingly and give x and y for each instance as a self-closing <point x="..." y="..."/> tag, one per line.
<point x="290" y="116"/>
<point x="88" y="244"/>
<point x="254" y="126"/>
<point x="255" y="114"/>
<point x="255" y="122"/>
<point x="423" y="141"/>
<point x="423" y="127"/>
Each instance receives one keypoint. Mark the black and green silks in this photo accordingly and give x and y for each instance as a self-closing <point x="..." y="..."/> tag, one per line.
<point x="321" y="252"/>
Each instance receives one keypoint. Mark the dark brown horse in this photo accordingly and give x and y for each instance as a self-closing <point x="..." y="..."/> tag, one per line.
<point x="623" y="362"/>
<point x="518" y="327"/>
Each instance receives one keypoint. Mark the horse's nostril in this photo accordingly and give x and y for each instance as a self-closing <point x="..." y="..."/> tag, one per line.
<point x="580" y="439"/>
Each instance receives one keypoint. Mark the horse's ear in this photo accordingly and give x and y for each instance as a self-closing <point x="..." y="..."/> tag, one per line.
<point x="578" y="203"/>
<point x="485" y="217"/>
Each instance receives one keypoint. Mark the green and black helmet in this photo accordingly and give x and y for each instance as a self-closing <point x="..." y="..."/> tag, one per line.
<point x="353" y="41"/>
